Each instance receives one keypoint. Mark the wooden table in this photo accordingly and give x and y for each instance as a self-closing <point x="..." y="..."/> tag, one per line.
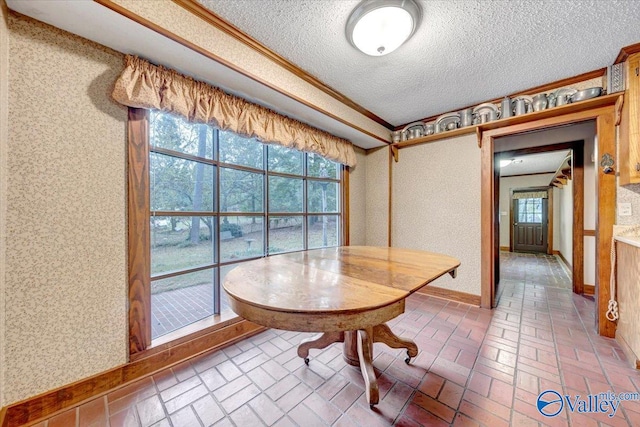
<point x="346" y="293"/>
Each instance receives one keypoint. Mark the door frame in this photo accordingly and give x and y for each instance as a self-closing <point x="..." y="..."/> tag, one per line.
<point x="606" y="118"/>
<point x="549" y="209"/>
<point x="577" y="161"/>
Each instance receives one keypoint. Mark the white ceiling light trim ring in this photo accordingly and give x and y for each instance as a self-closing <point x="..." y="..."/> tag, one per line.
<point x="378" y="27"/>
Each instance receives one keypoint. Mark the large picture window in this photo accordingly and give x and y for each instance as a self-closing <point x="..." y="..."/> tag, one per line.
<point x="216" y="199"/>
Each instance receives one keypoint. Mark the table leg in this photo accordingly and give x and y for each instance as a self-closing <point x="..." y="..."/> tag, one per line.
<point x="319" y="341"/>
<point x="358" y="351"/>
<point x="365" y="352"/>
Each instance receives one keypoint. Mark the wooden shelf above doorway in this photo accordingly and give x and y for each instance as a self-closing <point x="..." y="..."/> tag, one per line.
<point x="575" y="107"/>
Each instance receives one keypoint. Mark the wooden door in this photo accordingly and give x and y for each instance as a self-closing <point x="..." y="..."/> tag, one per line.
<point x="530" y="225"/>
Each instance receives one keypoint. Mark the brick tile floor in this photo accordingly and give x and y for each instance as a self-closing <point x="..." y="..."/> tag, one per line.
<point x="475" y="368"/>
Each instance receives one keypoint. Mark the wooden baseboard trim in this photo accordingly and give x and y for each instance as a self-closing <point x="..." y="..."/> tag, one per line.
<point x="631" y="356"/>
<point x="505" y="248"/>
<point x="3" y="419"/>
<point x="563" y="259"/>
<point x="448" y="294"/>
<point x="47" y="404"/>
<point x="588" y="289"/>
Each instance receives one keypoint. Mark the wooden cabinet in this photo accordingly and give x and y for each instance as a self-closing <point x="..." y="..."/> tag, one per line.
<point x="628" y="275"/>
<point x="629" y="157"/>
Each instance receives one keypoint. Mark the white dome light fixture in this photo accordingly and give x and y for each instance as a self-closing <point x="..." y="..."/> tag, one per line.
<point x="378" y="27"/>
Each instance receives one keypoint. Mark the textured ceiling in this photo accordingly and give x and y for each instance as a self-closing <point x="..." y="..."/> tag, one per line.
<point x="534" y="163"/>
<point x="465" y="52"/>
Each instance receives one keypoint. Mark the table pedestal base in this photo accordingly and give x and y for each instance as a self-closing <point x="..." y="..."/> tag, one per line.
<point x="358" y="351"/>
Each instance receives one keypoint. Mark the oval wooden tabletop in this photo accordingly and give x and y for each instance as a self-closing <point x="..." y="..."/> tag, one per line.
<point x="335" y="280"/>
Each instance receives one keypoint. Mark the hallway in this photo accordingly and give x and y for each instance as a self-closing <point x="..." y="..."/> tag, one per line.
<point x="475" y="367"/>
<point x="545" y="270"/>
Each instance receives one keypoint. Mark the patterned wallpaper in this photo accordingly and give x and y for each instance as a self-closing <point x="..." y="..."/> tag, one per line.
<point x="629" y="194"/>
<point x="66" y="272"/>
<point x="377" y="203"/>
<point x="4" y="94"/>
<point x="436" y="205"/>
<point x="357" y="200"/>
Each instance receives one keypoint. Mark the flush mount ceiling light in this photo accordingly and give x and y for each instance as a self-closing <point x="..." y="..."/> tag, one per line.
<point x="378" y="27"/>
<point x="505" y="162"/>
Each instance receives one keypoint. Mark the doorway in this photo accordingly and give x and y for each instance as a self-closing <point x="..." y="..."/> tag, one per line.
<point x="531" y="175"/>
<point x="530" y="220"/>
<point x="604" y="116"/>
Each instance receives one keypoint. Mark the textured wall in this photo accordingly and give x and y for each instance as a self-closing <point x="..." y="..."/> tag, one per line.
<point x="358" y="200"/>
<point x="377" y="203"/>
<point x="556" y="218"/>
<point x="66" y="202"/>
<point x="629" y="194"/>
<point x="4" y="117"/>
<point x="436" y="205"/>
<point x="565" y="205"/>
<point x="511" y="183"/>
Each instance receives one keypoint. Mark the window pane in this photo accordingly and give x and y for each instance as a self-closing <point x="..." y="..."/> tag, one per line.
<point x="241" y="237"/>
<point x="530" y="210"/>
<point x="285" y="160"/>
<point x="241" y="191"/>
<point x="323" y="231"/>
<point x="321" y="167"/>
<point x="175" y="133"/>
<point x="181" y="242"/>
<point x="180" y="185"/>
<point x="285" y="234"/>
<point x="181" y="300"/>
<point x="285" y="194"/>
<point x="238" y="150"/>
<point x="322" y="196"/>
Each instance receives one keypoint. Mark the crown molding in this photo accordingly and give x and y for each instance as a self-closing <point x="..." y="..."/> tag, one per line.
<point x="627" y="51"/>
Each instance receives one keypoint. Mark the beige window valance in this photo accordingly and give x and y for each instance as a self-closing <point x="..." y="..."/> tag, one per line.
<point x="144" y="85"/>
<point x="531" y="195"/>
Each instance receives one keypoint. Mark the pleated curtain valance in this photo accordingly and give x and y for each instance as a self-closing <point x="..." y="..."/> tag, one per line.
<point x="530" y="195"/>
<point x="145" y="85"/>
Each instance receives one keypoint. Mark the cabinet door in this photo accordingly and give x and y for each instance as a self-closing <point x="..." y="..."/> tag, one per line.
<point x="630" y="126"/>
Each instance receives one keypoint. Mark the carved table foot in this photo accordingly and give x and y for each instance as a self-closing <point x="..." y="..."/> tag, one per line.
<point x="382" y="333"/>
<point x="319" y="341"/>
